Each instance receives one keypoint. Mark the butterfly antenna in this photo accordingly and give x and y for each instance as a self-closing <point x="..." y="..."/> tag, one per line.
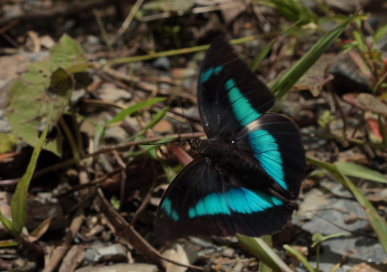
<point x="169" y="142"/>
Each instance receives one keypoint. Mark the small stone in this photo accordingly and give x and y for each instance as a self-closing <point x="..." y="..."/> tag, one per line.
<point x="99" y="253"/>
<point x="162" y="63"/>
<point x="228" y="252"/>
<point x="178" y="254"/>
<point x="201" y="242"/>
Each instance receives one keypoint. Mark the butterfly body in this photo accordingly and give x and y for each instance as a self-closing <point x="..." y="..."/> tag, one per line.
<point x="248" y="172"/>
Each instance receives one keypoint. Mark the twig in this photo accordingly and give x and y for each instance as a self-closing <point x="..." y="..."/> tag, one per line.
<point x="128" y="19"/>
<point x="102" y="29"/>
<point x="95" y="182"/>
<point x="123" y="175"/>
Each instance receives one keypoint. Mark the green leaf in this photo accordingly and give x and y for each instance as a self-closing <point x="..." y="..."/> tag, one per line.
<point x="266" y="49"/>
<point x="135" y="108"/>
<point x="359" y="171"/>
<point x="168" y="5"/>
<point x="292" y="10"/>
<point x="99" y="135"/>
<point x="360" y="40"/>
<point x="151" y="148"/>
<point x="29" y="104"/>
<point x="79" y="67"/>
<point x="61" y="84"/>
<point x="6" y="222"/>
<point x="19" y="198"/>
<point x="67" y="53"/>
<point x="300" y="257"/>
<point x="44" y="89"/>
<point x="378" y="223"/>
<point x="258" y="248"/>
<point x="7" y="142"/>
<point x="318" y="238"/>
<point x="283" y="84"/>
<point x="159" y="116"/>
<point x="380" y="33"/>
<point x="262" y="54"/>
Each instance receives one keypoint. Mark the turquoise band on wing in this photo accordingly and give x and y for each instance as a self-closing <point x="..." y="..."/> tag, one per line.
<point x="266" y="150"/>
<point x="241" y="106"/>
<point x="239" y="200"/>
<point x="264" y="145"/>
<point x="167" y="206"/>
<point x="206" y="75"/>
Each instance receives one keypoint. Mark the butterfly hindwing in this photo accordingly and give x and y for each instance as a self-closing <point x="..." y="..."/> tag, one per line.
<point x="228" y="90"/>
<point x="204" y="201"/>
<point x="195" y="182"/>
<point x="275" y="143"/>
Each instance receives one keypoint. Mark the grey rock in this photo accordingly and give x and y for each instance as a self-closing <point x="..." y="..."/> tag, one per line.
<point x="228" y="252"/>
<point x="201" y="242"/>
<point x="335" y="188"/>
<point x="347" y="77"/>
<point x="319" y="213"/>
<point x="99" y="252"/>
<point x="117" y="133"/>
<point x="178" y="254"/>
<point x="309" y="140"/>
<point x="162" y="63"/>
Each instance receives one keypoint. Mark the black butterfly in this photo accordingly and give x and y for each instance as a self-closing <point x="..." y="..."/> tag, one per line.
<point x="249" y="170"/>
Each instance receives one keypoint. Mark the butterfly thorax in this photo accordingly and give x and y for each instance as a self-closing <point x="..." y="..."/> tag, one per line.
<point x="225" y="155"/>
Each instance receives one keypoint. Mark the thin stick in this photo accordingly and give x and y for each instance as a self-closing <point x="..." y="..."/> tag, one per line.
<point x="128" y="19"/>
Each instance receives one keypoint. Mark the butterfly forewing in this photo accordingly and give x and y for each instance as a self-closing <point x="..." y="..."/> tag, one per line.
<point x="226" y="86"/>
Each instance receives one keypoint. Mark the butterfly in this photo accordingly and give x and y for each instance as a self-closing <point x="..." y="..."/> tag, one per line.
<point x="247" y="176"/>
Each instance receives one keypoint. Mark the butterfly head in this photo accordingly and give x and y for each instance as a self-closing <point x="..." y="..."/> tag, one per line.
<point x="195" y="145"/>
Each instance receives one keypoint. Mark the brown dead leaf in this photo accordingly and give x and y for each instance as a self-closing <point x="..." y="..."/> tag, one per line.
<point x="37" y="233"/>
<point x="368" y="102"/>
<point x="164" y="126"/>
<point x="72" y="259"/>
<point x="317" y="76"/>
